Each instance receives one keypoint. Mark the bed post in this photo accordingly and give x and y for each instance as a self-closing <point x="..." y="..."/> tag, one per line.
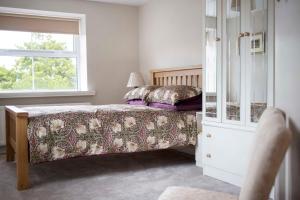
<point x="16" y="138"/>
<point x="22" y="153"/>
<point x="10" y="153"/>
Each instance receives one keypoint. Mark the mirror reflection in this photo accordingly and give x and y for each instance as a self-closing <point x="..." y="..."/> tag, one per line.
<point x="211" y="58"/>
<point x="233" y="60"/>
<point x="259" y="57"/>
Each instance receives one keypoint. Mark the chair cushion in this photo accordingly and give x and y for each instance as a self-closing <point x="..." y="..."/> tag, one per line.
<point x="272" y="141"/>
<point x="186" y="193"/>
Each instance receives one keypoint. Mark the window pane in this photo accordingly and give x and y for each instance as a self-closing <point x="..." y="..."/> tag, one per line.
<point x="28" y="73"/>
<point x="54" y="73"/>
<point x="36" y="41"/>
<point x="14" y="74"/>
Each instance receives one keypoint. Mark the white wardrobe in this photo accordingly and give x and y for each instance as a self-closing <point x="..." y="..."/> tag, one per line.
<point x="238" y="84"/>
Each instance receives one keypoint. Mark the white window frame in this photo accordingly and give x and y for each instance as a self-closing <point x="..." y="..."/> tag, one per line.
<point x="79" y="53"/>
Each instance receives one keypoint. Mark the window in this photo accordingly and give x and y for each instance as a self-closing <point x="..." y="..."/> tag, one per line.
<point x="39" y="53"/>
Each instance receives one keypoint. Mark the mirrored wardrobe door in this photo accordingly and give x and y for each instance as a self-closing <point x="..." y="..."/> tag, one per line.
<point x="232" y="61"/>
<point x="257" y="65"/>
<point x="212" y="45"/>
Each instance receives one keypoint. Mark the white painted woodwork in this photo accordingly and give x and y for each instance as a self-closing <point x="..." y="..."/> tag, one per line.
<point x="227" y="144"/>
<point x="198" y="152"/>
<point x="226" y="150"/>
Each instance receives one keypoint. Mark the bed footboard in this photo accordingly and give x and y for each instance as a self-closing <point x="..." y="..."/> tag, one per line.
<point x="17" y="143"/>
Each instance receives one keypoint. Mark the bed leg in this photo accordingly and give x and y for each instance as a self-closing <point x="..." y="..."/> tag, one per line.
<point x="22" y="153"/>
<point x="10" y="153"/>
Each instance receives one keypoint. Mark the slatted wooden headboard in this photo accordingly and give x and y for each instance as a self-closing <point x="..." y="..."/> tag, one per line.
<point x="191" y="76"/>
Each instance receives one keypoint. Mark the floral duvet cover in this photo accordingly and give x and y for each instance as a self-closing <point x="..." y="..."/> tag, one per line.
<point x="60" y="132"/>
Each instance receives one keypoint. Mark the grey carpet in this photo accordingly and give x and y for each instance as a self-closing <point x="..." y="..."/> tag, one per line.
<point x="137" y="176"/>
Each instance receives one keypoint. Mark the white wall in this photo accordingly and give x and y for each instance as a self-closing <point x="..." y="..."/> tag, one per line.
<point x="287" y="87"/>
<point x="170" y="34"/>
<point x="112" y="47"/>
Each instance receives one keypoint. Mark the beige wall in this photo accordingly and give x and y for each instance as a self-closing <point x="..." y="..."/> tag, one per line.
<point x="170" y="34"/>
<point x="112" y="47"/>
<point x="120" y="39"/>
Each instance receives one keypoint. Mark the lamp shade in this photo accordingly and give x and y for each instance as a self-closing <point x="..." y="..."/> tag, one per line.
<point x="135" y="80"/>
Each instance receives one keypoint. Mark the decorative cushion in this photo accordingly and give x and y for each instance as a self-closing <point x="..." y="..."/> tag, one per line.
<point x="139" y="93"/>
<point x="173" y="94"/>
<point x="272" y="142"/>
<point x="186" y="193"/>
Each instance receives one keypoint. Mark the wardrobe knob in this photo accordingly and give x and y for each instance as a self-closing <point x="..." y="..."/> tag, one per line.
<point x="209" y="135"/>
<point x="208" y="155"/>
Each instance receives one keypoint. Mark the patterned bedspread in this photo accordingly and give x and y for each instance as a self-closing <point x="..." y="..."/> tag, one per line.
<point x="60" y="132"/>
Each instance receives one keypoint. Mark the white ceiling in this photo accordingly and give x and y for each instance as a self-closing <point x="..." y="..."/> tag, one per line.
<point x="127" y="2"/>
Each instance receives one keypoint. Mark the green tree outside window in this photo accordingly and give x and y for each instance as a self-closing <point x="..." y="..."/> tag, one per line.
<point x="39" y="73"/>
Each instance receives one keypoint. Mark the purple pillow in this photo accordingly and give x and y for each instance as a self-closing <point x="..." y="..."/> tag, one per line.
<point x="193" y="103"/>
<point x="182" y="107"/>
<point x="136" y="102"/>
<point x="193" y="100"/>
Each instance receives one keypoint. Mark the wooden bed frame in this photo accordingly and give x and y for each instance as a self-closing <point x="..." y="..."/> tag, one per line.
<point x="17" y="119"/>
<point x="191" y="76"/>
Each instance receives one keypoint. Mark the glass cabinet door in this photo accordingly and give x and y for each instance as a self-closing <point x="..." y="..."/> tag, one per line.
<point x="211" y="61"/>
<point x="238" y="60"/>
<point x="258" y="58"/>
<point x="232" y="64"/>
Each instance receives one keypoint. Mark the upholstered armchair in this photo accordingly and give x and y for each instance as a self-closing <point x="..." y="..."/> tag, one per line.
<point x="272" y="142"/>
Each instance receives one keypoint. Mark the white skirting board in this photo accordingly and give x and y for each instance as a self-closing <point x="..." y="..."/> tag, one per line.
<point x="222" y="175"/>
<point x="2" y="117"/>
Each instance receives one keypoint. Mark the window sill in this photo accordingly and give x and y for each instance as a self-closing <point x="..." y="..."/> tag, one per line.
<point x="30" y="94"/>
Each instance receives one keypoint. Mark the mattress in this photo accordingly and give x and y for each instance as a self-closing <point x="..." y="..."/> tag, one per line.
<point x="61" y="132"/>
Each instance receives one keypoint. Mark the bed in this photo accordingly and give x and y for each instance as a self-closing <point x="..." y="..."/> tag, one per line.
<point x="98" y="129"/>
